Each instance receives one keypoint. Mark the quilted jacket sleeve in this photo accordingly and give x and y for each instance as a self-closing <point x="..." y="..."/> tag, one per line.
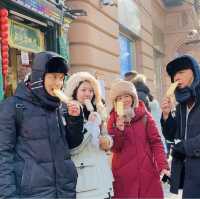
<point x="7" y="145"/>
<point x="169" y="127"/>
<point x="74" y="129"/>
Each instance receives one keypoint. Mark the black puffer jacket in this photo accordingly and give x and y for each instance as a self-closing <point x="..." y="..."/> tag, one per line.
<point x="34" y="151"/>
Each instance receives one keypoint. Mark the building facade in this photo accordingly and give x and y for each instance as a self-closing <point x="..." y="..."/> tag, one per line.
<point x="125" y="35"/>
<point x="116" y="36"/>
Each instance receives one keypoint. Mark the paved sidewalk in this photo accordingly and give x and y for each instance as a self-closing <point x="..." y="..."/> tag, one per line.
<point x="169" y="195"/>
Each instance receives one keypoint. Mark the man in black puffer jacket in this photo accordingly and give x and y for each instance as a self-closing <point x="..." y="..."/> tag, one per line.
<point x="36" y="132"/>
<point x="183" y="128"/>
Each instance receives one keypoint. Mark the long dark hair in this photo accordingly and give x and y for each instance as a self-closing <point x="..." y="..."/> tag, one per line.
<point x="85" y="111"/>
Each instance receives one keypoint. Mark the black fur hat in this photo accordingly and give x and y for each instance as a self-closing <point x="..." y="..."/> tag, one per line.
<point x="56" y="65"/>
<point x="178" y="64"/>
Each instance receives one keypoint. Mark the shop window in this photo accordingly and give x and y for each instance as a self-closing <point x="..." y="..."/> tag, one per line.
<point x="126" y="54"/>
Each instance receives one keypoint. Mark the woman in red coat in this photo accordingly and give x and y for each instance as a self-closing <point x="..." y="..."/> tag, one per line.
<point x="138" y="154"/>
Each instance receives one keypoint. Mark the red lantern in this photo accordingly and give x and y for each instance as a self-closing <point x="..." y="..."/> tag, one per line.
<point x="4" y="62"/>
<point x="4" y="12"/>
<point x="4" y="35"/>
<point x="4" y="42"/>
<point x="4" y="27"/>
<point x="4" y="70"/>
<point x="4" y="48"/>
<point x="4" y="20"/>
<point x="4" y="54"/>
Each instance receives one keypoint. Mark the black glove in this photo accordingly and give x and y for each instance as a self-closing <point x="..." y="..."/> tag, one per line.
<point x="165" y="179"/>
<point x="178" y="151"/>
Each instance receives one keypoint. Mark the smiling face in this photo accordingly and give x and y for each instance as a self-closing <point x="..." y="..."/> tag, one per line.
<point x="126" y="99"/>
<point x="84" y="91"/>
<point x="184" y="78"/>
<point x="53" y="81"/>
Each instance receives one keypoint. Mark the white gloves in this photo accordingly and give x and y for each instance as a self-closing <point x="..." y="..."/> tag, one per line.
<point x="93" y="127"/>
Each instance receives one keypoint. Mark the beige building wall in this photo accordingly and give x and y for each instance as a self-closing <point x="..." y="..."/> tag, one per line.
<point x="152" y="14"/>
<point x="178" y="24"/>
<point x="175" y="24"/>
<point x="94" y="45"/>
<point x="94" y="40"/>
<point x="146" y="42"/>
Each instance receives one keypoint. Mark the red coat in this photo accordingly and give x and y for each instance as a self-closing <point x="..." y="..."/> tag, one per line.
<point x="138" y="157"/>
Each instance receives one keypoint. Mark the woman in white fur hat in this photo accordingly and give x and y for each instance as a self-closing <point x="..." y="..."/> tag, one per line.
<point x="138" y="154"/>
<point x="94" y="172"/>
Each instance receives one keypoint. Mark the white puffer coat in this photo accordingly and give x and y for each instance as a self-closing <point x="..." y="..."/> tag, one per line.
<point x="94" y="173"/>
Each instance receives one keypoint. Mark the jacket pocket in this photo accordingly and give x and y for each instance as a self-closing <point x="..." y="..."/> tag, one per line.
<point x="23" y="174"/>
<point x="87" y="177"/>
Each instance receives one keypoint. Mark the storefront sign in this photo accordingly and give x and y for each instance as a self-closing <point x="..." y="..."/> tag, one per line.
<point x="42" y="7"/>
<point x="25" y="38"/>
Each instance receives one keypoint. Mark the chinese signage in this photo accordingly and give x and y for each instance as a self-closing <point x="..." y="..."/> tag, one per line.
<point x="42" y="7"/>
<point x="25" y="38"/>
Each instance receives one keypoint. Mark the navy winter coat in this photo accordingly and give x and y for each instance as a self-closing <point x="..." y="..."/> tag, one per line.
<point x="185" y="172"/>
<point x="34" y="151"/>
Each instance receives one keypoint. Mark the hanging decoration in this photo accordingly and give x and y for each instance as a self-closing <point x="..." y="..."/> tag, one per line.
<point x="4" y="43"/>
<point x="1" y="77"/>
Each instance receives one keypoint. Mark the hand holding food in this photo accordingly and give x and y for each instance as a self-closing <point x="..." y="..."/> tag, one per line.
<point x="120" y="109"/>
<point x="73" y="108"/>
<point x="120" y="123"/>
<point x="104" y="143"/>
<point x="166" y="107"/>
<point x="61" y="95"/>
<point x="171" y="89"/>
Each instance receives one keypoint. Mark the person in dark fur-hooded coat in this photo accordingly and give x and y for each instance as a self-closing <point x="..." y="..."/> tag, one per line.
<point x="184" y="128"/>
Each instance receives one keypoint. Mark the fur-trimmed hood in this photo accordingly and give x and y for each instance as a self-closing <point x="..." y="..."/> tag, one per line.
<point x="74" y="81"/>
<point x="181" y="63"/>
<point x="121" y="87"/>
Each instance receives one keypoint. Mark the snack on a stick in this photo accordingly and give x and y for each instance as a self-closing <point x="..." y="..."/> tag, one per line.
<point x="120" y="109"/>
<point x="171" y="89"/>
<point x="103" y="114"/>
<point x="61" y="95"/>
<point x="88" y="105"/>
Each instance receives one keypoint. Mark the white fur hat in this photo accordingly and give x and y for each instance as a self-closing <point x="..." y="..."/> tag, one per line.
<point x="121" y="87"/>
<point x="74" y="81"/>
